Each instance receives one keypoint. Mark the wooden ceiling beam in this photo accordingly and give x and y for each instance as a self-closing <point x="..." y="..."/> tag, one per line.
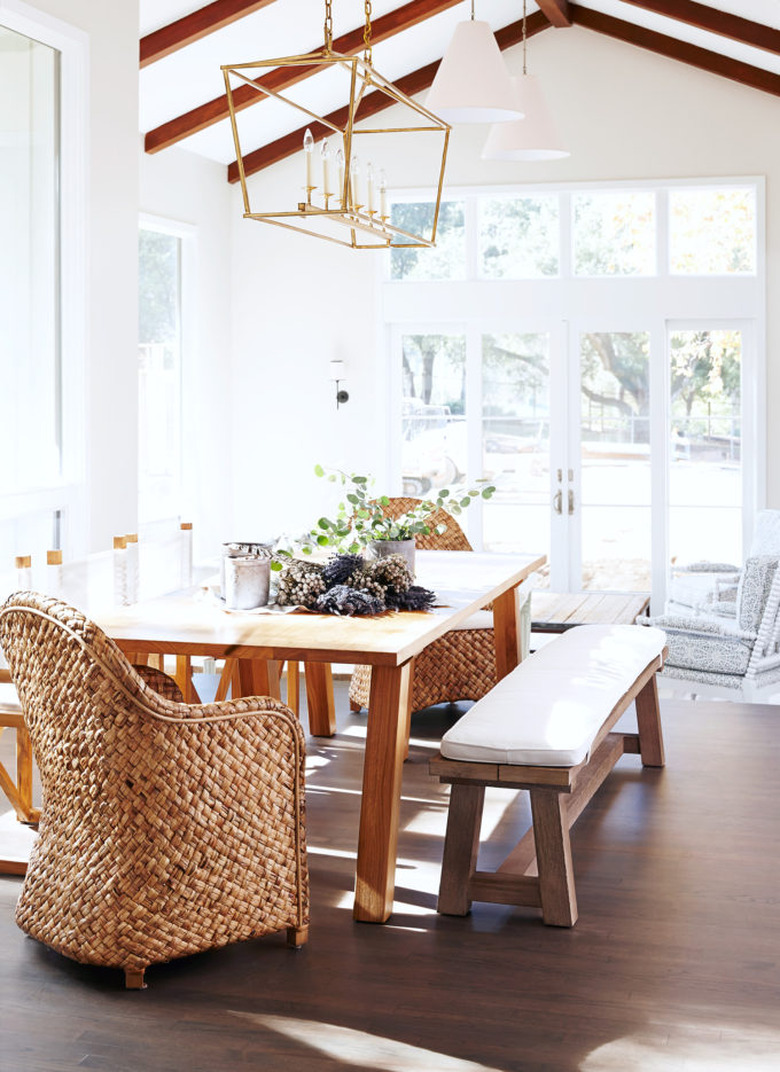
<point x="557" y="11"/>
<point x="671" y="48"/>
<point x="277" y="79"/>
<point x="373" y="103"/>
<point x="714" y="21"/>
<point x="194" y="26"/>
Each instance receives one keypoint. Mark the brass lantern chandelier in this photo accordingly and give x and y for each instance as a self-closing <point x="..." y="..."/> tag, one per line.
<point x="341" y="202"/>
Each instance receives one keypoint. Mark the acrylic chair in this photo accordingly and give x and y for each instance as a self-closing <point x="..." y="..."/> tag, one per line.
<point x="166" y="829"/>
<point x="461" y="665"/>
<point x="739" y="658"/>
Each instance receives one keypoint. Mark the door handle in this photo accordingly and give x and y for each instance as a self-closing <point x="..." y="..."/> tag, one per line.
<point x="571" y="501"/>
<point x="558" y="501"/>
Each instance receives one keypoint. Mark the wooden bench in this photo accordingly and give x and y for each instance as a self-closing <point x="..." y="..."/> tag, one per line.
<point x="546" y="727"/>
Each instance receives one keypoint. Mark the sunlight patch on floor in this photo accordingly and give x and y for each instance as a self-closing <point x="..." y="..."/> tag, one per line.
<point x="359" y="1048"/>
<point x="689" y="1048"/>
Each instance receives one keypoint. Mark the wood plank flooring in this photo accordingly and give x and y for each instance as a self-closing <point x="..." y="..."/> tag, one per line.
<point x="673" y="965"/>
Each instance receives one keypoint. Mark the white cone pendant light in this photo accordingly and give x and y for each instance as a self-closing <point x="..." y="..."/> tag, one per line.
<point x="472" y="84"/>
<point x="532" y="138"/>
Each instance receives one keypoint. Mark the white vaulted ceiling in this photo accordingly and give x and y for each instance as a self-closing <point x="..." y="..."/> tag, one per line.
<point x="738" y="39"/>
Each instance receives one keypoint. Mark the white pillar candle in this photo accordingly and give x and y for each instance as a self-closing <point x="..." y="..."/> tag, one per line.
<point x="340" y="167"/>
<point x="354" y="174"/>
<point x="325" y="154"/>
<point x="370" y="180"/>
<point x="383" y="195"/>
<point x="308" y="149"/>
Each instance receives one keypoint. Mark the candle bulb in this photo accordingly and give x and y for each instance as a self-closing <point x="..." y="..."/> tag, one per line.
<point x="354" y="174"/>
<point x="370" y="179"/>
<point x="340" y="166"/>
<point x="383" y="195"/>
<point x="325" y="154"/>
<point x="308" y="149"/>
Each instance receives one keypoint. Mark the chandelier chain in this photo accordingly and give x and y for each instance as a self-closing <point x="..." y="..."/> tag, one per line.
<point x="367" y="33"/>
<point x="328" y="25"/>
<point x="525" y="71"/>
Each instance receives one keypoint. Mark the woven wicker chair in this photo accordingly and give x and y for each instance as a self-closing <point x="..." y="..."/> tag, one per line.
<point x="166" y="829"/>
<point x="461" y="665"/>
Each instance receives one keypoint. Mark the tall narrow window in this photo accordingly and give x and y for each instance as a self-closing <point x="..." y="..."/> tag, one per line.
<point x="30" y="354"/>
<point x="705" y="455"/>
<point x="159" y="366"/>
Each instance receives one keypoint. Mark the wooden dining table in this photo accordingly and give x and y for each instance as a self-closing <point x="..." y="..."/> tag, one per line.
<point x="187" y="623"/>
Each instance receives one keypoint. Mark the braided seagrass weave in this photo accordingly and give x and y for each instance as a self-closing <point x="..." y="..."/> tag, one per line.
<point x="166" y="829"/>
<point x="461" y="665"/>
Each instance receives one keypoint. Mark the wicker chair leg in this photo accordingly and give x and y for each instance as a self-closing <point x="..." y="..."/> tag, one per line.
<point x="134" y="980"/>
<point x="355" y="706"/>
<point x="297" y="936"/>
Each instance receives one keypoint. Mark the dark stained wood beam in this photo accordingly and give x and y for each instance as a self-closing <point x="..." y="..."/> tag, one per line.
<point x="557" y="11"/>
<point x="671" y="48"/>
<point x="373" y="103"/>
<point x="214" y="111"/>
<point x="719" y="22"/>
<point x="192" y="27"/>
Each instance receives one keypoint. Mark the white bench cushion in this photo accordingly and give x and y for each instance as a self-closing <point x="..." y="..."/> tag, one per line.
<point x="548" y="710"/>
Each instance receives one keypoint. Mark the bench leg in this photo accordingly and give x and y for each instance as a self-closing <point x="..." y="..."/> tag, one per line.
<point x="553" y="858"/>
<point x="648" y="717"/>
<point x="461" y="846"/>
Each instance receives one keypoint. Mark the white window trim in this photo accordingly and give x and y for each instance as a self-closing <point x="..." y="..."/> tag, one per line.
<point x="474" y="304"/>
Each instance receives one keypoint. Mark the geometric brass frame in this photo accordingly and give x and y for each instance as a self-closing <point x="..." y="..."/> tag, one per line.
<point x="337" y="218"/>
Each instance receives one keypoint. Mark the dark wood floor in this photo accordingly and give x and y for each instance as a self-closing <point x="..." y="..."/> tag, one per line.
<point x="673" y="965"/>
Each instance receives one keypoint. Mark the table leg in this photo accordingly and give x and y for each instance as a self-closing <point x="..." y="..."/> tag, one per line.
<point x="380" y="805"/>
<point x="319" y="699"/>
<point x="506" y="631"/>
<point x="259" y="677"/>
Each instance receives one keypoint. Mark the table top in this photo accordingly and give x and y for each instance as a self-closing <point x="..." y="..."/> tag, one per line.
<point x="184" y="623"/>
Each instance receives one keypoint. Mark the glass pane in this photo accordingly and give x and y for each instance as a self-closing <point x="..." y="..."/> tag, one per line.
<point x="30" y="398"/>
<point x="705" y="468"/>
<point x="434" y="452"/>
<point x="518" y="237"/>
<point x="159" y="401"/>
<point x="712" y="231"/>
<point x="447" y="260"/>
<point x="615" y="460"/>
<point x="516" y="441"/>
<point x="614" y="233"/>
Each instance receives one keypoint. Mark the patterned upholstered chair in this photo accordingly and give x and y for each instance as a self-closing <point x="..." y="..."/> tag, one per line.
<point x="460" y="665"/>
<point x="166" y="829"/>
<point x="710" y="588"/>
<point x="740" y="657"/>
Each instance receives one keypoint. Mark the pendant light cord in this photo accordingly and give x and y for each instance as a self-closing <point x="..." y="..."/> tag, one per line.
<point x="367" y="34"/>
<point x="328" y="26"/>
<point x="525" y="70"/>
<point x="472" y="10"/>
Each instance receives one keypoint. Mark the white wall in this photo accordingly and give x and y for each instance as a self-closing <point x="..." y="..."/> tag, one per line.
<point x="298" y="304"/>
<point x="626" y="113"/>
<point x="187" y="189"/>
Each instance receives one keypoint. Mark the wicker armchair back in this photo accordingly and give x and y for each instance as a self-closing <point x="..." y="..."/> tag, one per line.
<point x="166" y="829"/>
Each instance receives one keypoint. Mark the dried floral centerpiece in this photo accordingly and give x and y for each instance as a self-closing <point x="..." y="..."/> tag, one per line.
<point x="348" y="583"/>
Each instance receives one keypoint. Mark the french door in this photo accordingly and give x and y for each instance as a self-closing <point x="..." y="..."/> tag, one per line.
<point x="615" y="448"/>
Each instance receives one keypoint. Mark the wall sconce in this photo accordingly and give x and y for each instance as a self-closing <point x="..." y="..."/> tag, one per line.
<point x="337" y="375"/>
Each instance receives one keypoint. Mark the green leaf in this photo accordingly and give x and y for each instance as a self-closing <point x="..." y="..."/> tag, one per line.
<point x="487" y="493"/>
<point x="319" y="471"/>
<point x="353" y="499"/>
<point x="276" y="566"/>
<point x="474" y="493"/>
<point x="465" y="502"/>
<point x="324" y="523"/>
<point x="323" y="540"/>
